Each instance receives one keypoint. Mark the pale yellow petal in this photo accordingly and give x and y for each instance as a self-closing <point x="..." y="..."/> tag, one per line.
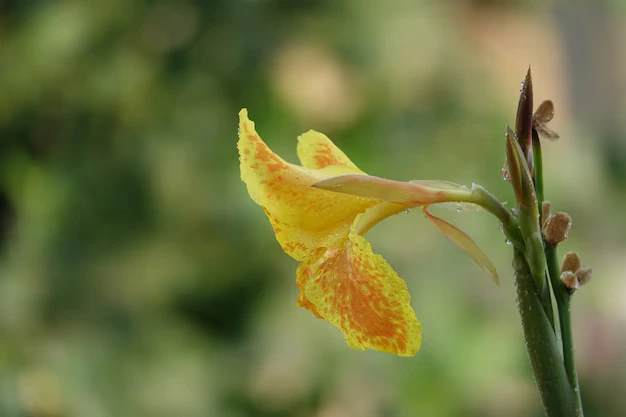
<point x="466" y="243"/>
<point x="375" y="215"/>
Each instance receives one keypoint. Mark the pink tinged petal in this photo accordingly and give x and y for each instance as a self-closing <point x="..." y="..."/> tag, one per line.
<point x="410" y="194"/>
<point x="466" y="243"/>
<point x="448" y="185"/>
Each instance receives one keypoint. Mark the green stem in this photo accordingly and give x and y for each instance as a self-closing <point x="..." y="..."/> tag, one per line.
<point x="538" y="167"/>
<point x="541" y="344"/>
<point x="510" y="225"/>
<point x="562" y="296"/>
<point x="546" y="299"/>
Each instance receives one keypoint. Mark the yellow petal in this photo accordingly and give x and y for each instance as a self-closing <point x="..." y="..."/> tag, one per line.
<point x="316" y="151"/>
<point x="303" y="218"/>
<point x="357" y="291"/>
<point x="466" y="243"/>
<point x="375" y="215"/>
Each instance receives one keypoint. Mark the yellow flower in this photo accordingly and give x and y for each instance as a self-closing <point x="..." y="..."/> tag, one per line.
<point x="340" y="279"/>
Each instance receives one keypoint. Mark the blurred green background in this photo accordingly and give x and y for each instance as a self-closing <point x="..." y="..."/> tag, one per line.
<point x="137" y="278"/>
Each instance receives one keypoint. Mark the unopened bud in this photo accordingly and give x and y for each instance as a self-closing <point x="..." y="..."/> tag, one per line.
<point x="545" y="212"/>
<point x="569" y="279"/>
<point x="583" y="275"/>
<point x="571" y="262"/>
<point x="556" y="228"/>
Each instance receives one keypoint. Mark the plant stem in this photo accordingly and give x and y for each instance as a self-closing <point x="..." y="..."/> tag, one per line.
<point x="545" y="358"/>
<point x="562" y="297"/>
<point x="561" y="294"/>
<point x="489" y="202"/>
<point x="538" y="167"/>
<point x="546" y="299"/>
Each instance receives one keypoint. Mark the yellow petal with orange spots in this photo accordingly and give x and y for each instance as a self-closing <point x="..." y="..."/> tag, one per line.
<point x="303" y="218"/>
<point x="316" y="151"/>
<point x="357" y="291"/>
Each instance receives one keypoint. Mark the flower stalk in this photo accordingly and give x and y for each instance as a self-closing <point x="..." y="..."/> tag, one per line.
<point x="563" y="298"/>
<point x="542" y="345"/>
<point x="553" y="365"/>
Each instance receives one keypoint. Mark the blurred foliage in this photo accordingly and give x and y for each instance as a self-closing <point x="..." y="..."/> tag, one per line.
<point x="138" y="279"/>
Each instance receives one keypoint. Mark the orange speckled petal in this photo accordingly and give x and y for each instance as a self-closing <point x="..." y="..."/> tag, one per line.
<point x="316" y="151"/>
<point x="303" y="218"/>
<point x="357" y="291"/>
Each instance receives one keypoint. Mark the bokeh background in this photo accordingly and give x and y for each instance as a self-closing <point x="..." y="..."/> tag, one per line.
<point x="137" y="278"/>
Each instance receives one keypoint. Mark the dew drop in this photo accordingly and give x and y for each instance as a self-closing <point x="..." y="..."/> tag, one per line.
<point x="507" y="241"/>
<point x="405" y="211"/>
<point x="501" y="228"/>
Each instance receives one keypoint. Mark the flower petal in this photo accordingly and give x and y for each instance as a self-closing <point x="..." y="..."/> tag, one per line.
<point x="411" y="194"/>
<point x="316" y="151"/>
<point x="463" y="241"/>
<point x="303" y="218"/>
<point x="375" y="215"/>
<point x="357" y="291"/>
<point x="544" y="113"/>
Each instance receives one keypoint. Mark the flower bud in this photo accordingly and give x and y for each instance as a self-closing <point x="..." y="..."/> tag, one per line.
<point x="583" y="275"/>
<point x="569" y="279"/>
<point x="556" y="228"/>
<point x="524" y="119"/>
<point x="571" y="262"/>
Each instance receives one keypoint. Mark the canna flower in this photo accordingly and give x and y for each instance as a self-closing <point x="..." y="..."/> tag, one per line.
<point x="340" y="279"/>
